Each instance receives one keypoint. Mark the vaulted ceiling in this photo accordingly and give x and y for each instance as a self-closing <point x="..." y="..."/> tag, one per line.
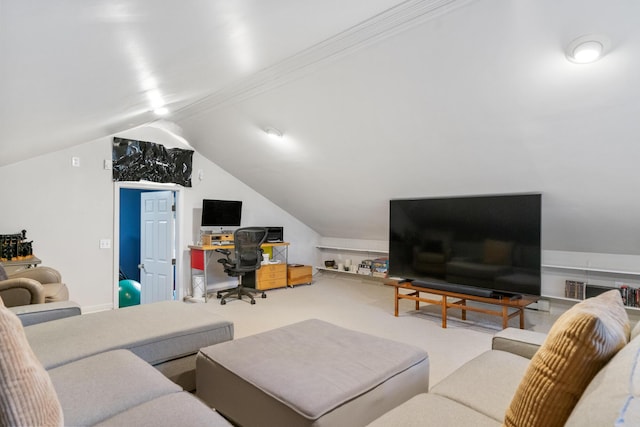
<point x="377" y="99"/>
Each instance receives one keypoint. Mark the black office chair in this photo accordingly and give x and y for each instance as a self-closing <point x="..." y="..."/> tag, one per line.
<point x="248" y="257"/>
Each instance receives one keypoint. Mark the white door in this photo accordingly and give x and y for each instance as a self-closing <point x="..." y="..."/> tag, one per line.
<point x="156" y="246"/>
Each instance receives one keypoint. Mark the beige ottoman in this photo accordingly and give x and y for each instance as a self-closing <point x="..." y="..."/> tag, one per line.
<point x="310" y="373"/>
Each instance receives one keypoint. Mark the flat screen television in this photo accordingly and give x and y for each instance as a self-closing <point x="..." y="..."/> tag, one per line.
<point x="221" y="213"/>
<point x="479" y="245"/>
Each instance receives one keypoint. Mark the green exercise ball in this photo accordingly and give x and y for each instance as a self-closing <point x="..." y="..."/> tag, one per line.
<point x="129" y="293"/>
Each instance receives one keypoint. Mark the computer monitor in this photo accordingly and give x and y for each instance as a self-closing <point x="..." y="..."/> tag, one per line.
<point x="221" y="213"/>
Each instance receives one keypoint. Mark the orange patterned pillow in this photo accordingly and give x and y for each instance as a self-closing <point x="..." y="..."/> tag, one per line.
<point x="579" y="344"/>
<point x="27" y="396"/>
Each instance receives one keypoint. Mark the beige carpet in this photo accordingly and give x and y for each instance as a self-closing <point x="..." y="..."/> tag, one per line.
<point x="367" y="306"/>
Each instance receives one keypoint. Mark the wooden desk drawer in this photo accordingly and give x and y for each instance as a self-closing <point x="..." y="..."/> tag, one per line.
<point x="273" y="271"/>
<point x="271" y="276"/>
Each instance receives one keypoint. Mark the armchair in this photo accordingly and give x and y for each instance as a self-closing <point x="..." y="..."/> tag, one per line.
<point x="247" y="258"/>
<point x="32" y="286"/>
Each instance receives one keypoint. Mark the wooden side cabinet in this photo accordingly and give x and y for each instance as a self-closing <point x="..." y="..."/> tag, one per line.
<point x="298" y="274"/>
<point x="271" y="276"/>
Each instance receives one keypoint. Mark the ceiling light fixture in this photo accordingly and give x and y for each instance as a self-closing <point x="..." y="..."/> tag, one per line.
<point x="161" y="111"/>
<point x="587" y="49"/>
<point x="273" y="132"/>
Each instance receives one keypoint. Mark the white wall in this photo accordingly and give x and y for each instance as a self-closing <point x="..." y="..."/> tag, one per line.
<point x="67" y="210"/>
<point x="602" y="269"/>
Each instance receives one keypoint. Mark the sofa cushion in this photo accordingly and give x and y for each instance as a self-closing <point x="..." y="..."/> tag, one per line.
<point x="176" y="409"/>
<point x="579" y="344"/>
<point x="522" y="342"/>
<point x="613" y="396"/>
<point x="27" y="396"/>
<point x="157" y="332"/>
<point x="428" y="409"/>
<point x="486" y="383"/>
<point x="635" y="331"/>
<point x="101" y="386"/>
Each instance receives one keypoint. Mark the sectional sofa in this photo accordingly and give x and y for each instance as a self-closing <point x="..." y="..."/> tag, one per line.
<point x="585" y="372"/>
<point x="112" y="368"/>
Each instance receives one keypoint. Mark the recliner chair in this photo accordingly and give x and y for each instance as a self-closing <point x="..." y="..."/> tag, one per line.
<point x="247" y="258"/>
<point x="32" y="286"/>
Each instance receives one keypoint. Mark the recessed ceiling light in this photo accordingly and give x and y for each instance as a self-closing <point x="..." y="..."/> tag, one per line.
<point x="273" y="132"/>
<point x="161" y="111"/>
<point x="587" y="49"/>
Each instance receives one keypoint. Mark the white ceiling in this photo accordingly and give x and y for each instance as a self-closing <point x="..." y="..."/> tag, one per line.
<point x="377" y="99"/>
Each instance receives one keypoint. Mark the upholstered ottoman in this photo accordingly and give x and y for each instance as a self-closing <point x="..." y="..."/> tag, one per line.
<point x="310" y="373"/>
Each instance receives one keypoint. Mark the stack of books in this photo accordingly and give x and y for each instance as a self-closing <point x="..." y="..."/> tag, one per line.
<point x="574" y="289"/>
<point x="630" y="296"/>
<point x="380" y="267"/>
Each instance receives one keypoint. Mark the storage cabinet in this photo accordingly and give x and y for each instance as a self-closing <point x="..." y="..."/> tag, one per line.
<point x="299" y="275"/>
<point x="271" y="276"/>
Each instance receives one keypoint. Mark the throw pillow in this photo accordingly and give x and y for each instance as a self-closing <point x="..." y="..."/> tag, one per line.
<point x="579" y="344"/>
<point x="3" y="273"/>
<point x="27" y="396"/>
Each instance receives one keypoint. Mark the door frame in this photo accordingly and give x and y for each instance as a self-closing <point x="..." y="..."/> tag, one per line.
<point x="177" y="190"/>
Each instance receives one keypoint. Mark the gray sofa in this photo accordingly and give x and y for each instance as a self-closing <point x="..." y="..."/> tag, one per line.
<point x="583" y="373"/>
<point x="485" y="391"/>
<point x="110" y="368"/>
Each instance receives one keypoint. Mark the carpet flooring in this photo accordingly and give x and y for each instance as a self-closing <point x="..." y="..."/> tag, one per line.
<point x="367" y="305"/>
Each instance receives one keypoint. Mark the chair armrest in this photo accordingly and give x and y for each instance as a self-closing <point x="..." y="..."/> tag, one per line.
<point x="518" y="341"/>
<point x="21" y="291"/>
<point x="38" y="313"/>
<point x="41" y="274"/>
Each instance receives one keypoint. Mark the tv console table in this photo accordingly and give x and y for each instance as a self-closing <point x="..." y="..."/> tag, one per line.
<point x="516" y="306"/>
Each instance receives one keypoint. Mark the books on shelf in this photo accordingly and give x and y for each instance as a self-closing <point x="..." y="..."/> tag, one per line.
<point x="374" y="267"/>
<point x="574" y="289"/>
<point x="630" y="296"/>
<point x="580" y="290"/>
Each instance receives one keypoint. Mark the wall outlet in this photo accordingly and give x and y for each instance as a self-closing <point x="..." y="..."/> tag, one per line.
<point x="75" y="162"/>
<point x="105" y="243"/>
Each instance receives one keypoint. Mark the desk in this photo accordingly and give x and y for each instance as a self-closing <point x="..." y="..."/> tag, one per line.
<point x="269" y="276"/>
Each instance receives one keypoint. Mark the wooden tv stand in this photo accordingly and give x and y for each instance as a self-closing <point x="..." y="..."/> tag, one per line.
<point x="460" y="301"/>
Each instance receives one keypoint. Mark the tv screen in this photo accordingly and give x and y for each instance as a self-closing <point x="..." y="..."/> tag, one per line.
<point x="486" y="244"/>
<point x="221" y="213"/>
